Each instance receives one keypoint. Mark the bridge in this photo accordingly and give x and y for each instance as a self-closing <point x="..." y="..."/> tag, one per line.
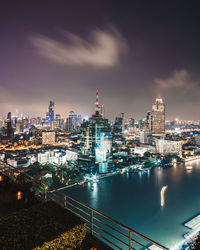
<point x="108" y="230"/>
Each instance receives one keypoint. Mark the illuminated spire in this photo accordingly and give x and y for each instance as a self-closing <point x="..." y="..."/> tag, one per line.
<point x="97" y="102"/>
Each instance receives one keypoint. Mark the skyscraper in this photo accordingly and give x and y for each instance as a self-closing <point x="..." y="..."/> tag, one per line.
<point x="131" y="125"/>
<point x="117" y="127"/>
<point x="71" y="121"/>
<point x="157" y="117"/>
<point x="8" y="126"/>
<point x="51" y="115"/>
<point x="96" y="140"/>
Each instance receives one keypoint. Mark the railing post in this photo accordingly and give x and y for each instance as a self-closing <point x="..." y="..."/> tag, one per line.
<point x="65" y="202"/>
<point x="91" y="222"/>
<point x="45" y="194"/>
<point x="129" y="240"/>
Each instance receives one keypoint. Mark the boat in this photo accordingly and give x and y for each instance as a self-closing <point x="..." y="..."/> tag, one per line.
<point x="189" y="167"/>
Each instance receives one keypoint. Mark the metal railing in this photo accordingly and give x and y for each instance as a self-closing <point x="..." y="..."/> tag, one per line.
<point x="113" y="233"/>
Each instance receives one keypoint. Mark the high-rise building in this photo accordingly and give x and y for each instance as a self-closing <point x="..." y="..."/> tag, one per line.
<point x="157" y="117"/>
<point x="79" y="120"/>
<point x="148" y="119"/>
<point x="131" y="126"/>
<point x="58" y="123"/>
<point x="69" y="124"/>
<point x="51" y="115"/>
<point x="96" y="140"/>
<point x="71" y="121"/>
<point x="117" y="127"/>
<point x="8" y="126"/>
<point x="19" y="127"/>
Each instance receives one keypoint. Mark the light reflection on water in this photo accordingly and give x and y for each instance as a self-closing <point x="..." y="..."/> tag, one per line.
<point x="134" y="200"/>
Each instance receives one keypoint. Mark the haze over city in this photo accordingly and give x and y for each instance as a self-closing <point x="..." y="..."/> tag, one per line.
<point x="132" y="51"/>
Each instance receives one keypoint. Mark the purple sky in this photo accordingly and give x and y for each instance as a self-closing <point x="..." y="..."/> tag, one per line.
<point x="132" y="51"/>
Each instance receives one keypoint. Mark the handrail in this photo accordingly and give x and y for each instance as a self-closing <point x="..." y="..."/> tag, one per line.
<point x="116" y="222"/>
<point x="4" y="167"/>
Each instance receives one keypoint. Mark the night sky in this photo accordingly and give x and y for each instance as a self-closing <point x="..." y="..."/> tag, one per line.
<point x="132" y="51"/>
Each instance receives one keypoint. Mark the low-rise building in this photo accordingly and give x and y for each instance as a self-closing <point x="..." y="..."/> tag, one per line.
<point x="165" y="147"/>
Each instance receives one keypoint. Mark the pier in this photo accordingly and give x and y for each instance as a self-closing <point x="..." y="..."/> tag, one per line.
<point x="193" y="223"/>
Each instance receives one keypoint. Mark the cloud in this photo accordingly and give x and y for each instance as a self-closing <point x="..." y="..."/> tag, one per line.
<point x="103" y="50"/>
<point x="179" y="79"/>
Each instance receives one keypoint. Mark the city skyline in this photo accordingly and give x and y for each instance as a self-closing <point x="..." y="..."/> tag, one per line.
<point x="99" y="124"/>
<point x="131" y="52"/>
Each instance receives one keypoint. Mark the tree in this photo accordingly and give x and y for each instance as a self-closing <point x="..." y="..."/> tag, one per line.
<point x="147" y="154"/>
<point x="196" y="244"/>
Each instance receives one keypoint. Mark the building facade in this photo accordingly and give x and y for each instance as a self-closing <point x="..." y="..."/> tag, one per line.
<point x="96" y="140"/>
<point x="165" y="147"/>
<point x="156" y="118"/>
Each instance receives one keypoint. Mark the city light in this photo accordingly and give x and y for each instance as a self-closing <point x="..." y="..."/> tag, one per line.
<point x="19" y="195"/>
<point x="100" y="104"/>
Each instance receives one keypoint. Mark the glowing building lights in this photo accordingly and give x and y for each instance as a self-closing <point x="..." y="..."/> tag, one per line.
<point x="19" y="195"/>
<point x="48" y="138"/>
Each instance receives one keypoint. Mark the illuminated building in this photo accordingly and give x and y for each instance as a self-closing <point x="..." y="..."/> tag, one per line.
<point x="19" y="127"/>
<point x="79" y="120"/>
<point x="8" y="126"/>
<point x="51" y="115"/>
<point x="69" y="124"/>
<point x="117" y="127"/>
<point x="102" y="110"/>
<point x="48" y="138"/>
<point x="57" y="119"/>
<point x="71" y="121"/>
<point x="131" y="126"/>
<point x="144" y="136"/>
<point x="157" y="117"/>
<point x="1" y="123"/>
<point x="58" y="123"/>
<point x="55" y="156"/>
<point x="148" y="119"/>
<point x="142" y="124"/>
<point x="96" y="140"/>
<point x="169" y="147"/>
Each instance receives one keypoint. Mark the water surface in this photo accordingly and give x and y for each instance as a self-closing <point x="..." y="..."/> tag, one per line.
<point x="134" y="200"/>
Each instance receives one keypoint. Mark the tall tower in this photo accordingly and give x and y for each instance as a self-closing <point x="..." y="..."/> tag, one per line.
<point x="51" y="114"/>
<point x="8" y="126"/>
<point x="157" y="119"/>
<point x="71" y="121"/>
<point x="97" y="103"/>
<point x="96" y="141"/>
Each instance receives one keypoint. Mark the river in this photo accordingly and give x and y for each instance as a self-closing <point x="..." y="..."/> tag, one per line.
<point x="134" y="199"/>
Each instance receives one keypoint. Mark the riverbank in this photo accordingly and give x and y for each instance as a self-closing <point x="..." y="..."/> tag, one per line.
<point x="127" y="169"/>
<point x="192" y="159"/>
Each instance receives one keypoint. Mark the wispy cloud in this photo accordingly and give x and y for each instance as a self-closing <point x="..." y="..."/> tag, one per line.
<point x="103" y="50"/>
<point x="179" y="79"/>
